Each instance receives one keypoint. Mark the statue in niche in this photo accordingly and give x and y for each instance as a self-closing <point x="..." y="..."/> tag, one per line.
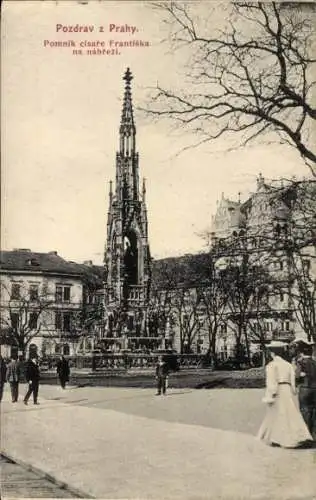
<point x="130" y="259"/>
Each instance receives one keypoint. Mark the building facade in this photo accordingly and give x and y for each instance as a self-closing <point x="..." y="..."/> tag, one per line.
<point x="127" y="254"/>
<point x="46" y="302"/>
<point x="277" y="235"/>
<point x="256" y="283"/>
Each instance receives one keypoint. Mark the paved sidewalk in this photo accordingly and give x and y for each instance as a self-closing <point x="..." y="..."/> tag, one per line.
<point x="109" y="454"/>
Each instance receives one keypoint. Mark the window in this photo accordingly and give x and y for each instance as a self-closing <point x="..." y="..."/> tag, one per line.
<point x="66" y="293"/>
<point x="33" y="320"/>
<point x="66" y="350"/>
<point x="62" y="293"/>
<point x="59" y="293"/>
<point x="90" y="298"/>
<point x="58" y="321"/>
<point x="281" y="265"/>
<point x="223" y="328"/>
<point x="32" y="262"/>
<point x="281" y="296"/>
<point x="306" y="264"/>
<point x="34" y="292"/>
<point x="285" y="326"/>
<point x="15" y="291"/>
<point x="98" y="299"/>
<point x="130" y="323"/>
<point x="66" y="322"/>
<point x="63" y="321"/>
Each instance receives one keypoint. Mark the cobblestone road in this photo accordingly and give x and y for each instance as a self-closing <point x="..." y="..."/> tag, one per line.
<point x="21" y="482"/>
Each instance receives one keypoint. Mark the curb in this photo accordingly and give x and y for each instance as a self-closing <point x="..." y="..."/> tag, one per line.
<point x="45" y="475"/>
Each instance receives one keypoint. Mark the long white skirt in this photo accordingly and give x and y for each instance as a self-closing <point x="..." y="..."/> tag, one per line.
<point x="283" y="424"/>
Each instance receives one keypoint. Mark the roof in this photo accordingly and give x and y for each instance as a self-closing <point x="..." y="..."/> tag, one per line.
<point x="26" y="260"/>
<point x="93" y="275"/>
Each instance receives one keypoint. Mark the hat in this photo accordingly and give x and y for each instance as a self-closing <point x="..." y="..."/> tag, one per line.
<point x="277" y="344"/>
<point x="303" y="341"/>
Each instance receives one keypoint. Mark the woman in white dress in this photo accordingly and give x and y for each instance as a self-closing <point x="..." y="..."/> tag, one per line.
<point x="283" y="424"/>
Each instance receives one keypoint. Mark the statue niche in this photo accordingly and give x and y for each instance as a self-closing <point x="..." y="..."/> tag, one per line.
<point x="130" y="259"/>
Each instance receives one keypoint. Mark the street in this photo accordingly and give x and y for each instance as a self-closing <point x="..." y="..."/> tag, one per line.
<point x="129" y="443"/>
<point x="187" y="406"/>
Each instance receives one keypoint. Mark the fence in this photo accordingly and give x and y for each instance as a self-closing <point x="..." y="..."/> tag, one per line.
<point x="128" y="361"/>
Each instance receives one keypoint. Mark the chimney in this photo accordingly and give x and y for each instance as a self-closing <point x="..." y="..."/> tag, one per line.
<point x="53" y="252"/>
<point x="87" y="263"/>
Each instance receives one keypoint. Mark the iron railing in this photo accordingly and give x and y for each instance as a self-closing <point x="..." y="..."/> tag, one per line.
<point x="126" y="361"/>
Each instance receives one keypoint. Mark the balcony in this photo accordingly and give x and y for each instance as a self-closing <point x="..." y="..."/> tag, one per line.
<point x="136" y="295"/>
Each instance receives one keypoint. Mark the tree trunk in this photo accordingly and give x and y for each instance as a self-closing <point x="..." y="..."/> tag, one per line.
<point x="22" y="346"/>
<point x="212" y="336"/>
<point x="245" y="334"/>
<point x="238" y="347"/>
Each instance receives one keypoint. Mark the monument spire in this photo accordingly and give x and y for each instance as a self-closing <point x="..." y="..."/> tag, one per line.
<point x="127" y="257"/>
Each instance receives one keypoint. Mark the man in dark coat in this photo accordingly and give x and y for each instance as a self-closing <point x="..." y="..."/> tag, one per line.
<point x="63" y="371"/>
<point x="14" y="378"/>
<point x="3" y="371"/>
<point x="307" y="385"/>
<point x="162" y="371"/>
<point x="32" y="375"/>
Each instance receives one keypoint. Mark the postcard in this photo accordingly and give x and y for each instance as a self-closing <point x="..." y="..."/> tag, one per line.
<point x="157" y="262"/>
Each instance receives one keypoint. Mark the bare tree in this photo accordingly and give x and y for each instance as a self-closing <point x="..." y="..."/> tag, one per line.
<point x="246" y="286"/>
<point x="303" y="292"/>
<point x="249" y="80"/>
<point x="212" y="298"/>
<point x="177" y="285"/>
<point x="259" y="315"/>
<point x="282" y="242"/>
<point x="24" y="315"/>
<point x="166" y="276"/>
<point x="186" y="302"/>
<point x="290" y="239"/>
<point x="297" y="236"/>
<point x="159" y="312"/>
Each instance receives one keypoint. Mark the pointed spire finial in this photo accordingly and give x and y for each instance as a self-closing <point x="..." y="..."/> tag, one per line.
<point x="260" y="180"/>
<point x="127" y="127"/>
<point x="128" y="77"/>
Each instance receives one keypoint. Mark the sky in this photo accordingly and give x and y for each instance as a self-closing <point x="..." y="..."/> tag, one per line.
<point x="60" y="121"/>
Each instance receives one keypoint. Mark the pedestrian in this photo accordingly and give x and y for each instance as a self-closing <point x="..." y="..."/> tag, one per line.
<point x="32" y="375"/>
<point x="14" y="377"/>
<point x="283" y="424"/>
<point x="3" y="372"/>
<point x="63" y="371"/>
<point x="307" y="385"/>
<point x="162" y="371"/>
